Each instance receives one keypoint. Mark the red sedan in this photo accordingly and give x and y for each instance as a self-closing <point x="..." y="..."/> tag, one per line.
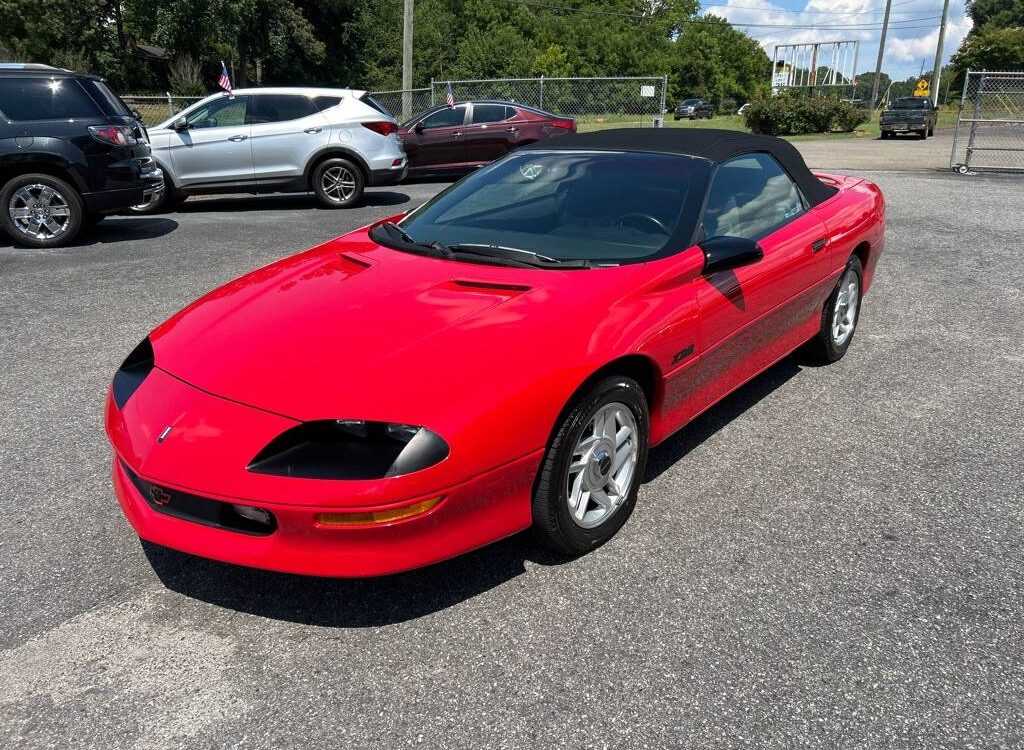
<point x="461" y="138"/>
<point x="501" y="357"/>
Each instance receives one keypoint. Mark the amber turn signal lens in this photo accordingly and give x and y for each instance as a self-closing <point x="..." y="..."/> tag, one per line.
<point x="377" y="516"/>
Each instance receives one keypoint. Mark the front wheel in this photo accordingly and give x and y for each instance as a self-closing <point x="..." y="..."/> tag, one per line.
<point x="40" y="211"/>
<point x="338" y="183"/>
<point x="839" y="316"/>
<point x="590" y="477"/>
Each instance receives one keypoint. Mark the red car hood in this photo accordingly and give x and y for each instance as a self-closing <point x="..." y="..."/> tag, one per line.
<point x="354" y="330"/>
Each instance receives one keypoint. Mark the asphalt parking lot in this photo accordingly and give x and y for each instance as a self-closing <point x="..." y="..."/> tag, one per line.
<point x="832" y="557"/>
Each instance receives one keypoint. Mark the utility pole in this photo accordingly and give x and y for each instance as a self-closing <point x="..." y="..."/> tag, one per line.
<point x="881" y="50"/>
<point x="407" y="60"/>
<point x="938" y="54"/>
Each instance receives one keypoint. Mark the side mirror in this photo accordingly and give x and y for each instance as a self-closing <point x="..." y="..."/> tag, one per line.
<point x="180" y="124"/>
<point x="137" y="115"/>
<point x="418" y="127"/>
<point x="723" y="253"/>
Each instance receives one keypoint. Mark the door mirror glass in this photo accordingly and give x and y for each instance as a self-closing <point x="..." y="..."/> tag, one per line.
<point x="418" y="127"/>
<point x="724" y="253"/>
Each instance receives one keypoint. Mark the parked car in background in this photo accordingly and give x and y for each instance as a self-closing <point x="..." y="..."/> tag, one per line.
<point x="694" y="109"/>
<point x="471" y="134"/>
<point x="71" y="152"/>
<point x="334" y="142"/>
<point x="912" y="114"/>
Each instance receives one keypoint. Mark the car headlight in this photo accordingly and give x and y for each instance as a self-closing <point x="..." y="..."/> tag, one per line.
<point x="350" y="449"/>
<point x="132" y="372"/>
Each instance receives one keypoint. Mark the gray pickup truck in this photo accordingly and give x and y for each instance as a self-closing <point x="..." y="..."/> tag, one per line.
<point x="913" y="114"/>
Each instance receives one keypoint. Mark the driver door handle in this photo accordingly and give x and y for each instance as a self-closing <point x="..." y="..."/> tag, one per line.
<point x="511" y="130"/>
<point x="237" y="138"/>
<point x="312" y="130"/>
<point x="818" y="244"/>
<point x="457" y="134"/>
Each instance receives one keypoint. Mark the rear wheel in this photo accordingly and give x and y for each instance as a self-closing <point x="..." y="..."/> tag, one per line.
<point x="589" y="480"/>
<point x="839" y="316"/>
<point x="338" y="183"/>
<point x="40" y="211"/>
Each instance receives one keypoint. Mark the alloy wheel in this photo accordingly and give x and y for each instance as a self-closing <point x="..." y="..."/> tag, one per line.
<point x="40" y="212"/>
<point x="602" y="466"/>
<point x="338" y="184"/>
<point x="844" y="315"/>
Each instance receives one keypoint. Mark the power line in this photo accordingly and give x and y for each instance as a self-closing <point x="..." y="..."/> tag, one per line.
<point x="856" y="26"/>
<point x="811" y="12"/>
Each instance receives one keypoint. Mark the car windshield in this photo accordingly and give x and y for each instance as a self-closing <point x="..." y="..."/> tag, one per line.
<point x="690" y="102"/>
<point x="604" y="207"/>
<point x="920" y="103"/>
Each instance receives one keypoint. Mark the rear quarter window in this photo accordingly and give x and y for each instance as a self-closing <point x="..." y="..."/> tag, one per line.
<point x="45" y="99"/>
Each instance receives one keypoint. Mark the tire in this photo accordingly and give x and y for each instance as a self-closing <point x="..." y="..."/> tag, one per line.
<point x="338" y="183"/>
<point x="831" y="343"/>
<point x="43" y="196"/>
<point x="931" y="132"/>
<point x="884" y="135"/>
<point x="576" y="530"/>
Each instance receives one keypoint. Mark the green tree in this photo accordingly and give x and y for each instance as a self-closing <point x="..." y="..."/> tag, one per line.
<point x="992" y="48"/>
<point x="713" y="60"/>
<point x="1001" y="13"/>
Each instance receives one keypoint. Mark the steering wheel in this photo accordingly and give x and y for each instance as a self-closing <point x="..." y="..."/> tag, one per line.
<point x="646" y="218"/>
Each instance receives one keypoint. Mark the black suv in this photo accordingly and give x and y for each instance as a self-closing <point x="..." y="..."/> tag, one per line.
<point x="694" y="109"/>
<point x="70" y="153"/>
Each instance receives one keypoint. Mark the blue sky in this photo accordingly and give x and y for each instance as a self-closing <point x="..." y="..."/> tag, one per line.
<point x="913" y="27"/>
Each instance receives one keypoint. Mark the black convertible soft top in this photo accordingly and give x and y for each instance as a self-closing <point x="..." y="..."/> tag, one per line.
<point x="704" y="143"/>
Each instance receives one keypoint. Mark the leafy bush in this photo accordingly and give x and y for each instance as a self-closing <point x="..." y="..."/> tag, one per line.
<point x="791" y="114"/>
<point x="727" y="106"/>
<point x="186" y="77"/>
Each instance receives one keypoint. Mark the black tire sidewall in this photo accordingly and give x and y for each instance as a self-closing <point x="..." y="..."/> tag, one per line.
<point x="67" y="191"/>
<point x="833" y="351"/>
<point x="550" y="506"/>
<point x="322" y="167"/>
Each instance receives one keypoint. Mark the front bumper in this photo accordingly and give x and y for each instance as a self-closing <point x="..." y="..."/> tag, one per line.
<point x="479" y="511"/>
<point x="903" y="127"/>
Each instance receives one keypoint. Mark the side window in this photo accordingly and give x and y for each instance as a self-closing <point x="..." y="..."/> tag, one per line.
<point x="45" y="99"/>
<point x="445" y="118"/>
<point x="751" y="196"/>
<point x="326" y="102"/>
<point x="484" y="113"/>
<point x="225" y="112"/>
<point x="279" y="108"/>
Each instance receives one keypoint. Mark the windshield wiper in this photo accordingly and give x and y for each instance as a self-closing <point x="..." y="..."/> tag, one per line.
<point x="397" y="236"/>
<point x="518" y="255"/>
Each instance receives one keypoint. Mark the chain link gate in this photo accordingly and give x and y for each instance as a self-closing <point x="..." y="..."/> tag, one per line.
<point x="595" y="103"/>
<point x="989" y="132"/>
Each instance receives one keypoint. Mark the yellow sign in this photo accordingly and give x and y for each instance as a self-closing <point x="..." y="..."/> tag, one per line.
<point x="922" y="88"/>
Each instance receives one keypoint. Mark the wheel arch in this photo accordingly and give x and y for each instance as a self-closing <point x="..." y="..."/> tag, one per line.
<point x="332" y="152"/>
<point x="638" y="367"/>
<point x="863" y="253"/>
<point x="52" y="166"/>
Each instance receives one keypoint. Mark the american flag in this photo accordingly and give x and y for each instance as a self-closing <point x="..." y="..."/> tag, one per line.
<point x="450" y="97"/>
<point x="225" y="80"/>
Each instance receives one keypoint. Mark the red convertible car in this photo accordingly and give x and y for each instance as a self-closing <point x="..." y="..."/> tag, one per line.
<point x="459" y="139"/>
<point x="501" y="357"/>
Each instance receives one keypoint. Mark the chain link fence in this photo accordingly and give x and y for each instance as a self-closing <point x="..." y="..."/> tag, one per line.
<point x="594" y="103"/>
<point x="395" y="102"/>
<point x="156" y="109"/>
<point x="990" y="125"/>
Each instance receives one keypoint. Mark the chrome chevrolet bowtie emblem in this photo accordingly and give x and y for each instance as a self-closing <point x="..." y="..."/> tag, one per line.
<point x="163" y="435"/>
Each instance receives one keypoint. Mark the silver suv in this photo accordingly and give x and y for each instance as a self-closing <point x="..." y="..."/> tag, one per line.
<point x="334" y="142"/>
